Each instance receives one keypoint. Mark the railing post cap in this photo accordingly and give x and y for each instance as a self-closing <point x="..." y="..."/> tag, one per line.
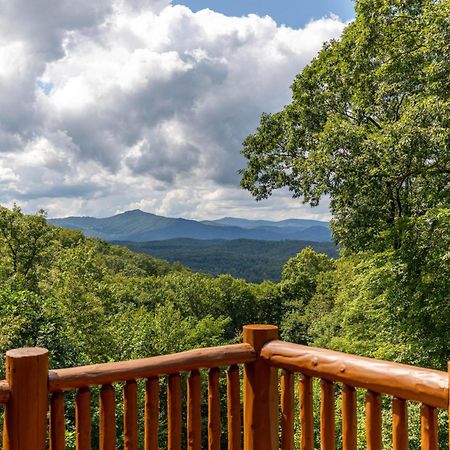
<point x="260" y="327"/>
<point x="26" y="352"/>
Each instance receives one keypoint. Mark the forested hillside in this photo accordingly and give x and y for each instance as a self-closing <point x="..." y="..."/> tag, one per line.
<point x="254" y="261"/>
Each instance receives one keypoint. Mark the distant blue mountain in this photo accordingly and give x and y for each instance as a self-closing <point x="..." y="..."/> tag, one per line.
<point x="140" y="226"/>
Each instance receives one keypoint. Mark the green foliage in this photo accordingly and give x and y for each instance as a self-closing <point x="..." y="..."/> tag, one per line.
<point x="368" y="125"/>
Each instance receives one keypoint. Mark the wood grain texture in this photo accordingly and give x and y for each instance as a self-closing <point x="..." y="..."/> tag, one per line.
<point x="25" y="419"/>
<point x="287" y="410"/>
<point x="107" y="413"/>
<point x="57" y="422"/>
<point x="260" y="393"/>
<point x="306" y="412"/>
<point x="349" y="420"/>
<point x="234" y="408"/>
<point x="327" y="416"/>
<point x="194" y="412"/>
<point x="174" y="412"/>
<point x="130" y="416"/>
<point x="214" y="428"/>
<point x="373" y="421"/>
<point x="399" y="380"/>
<point x="83" y="419"/>
<point x="4" y="392"/>
<point x="151" y="414"/>
<point x="98" y="374"/>
<point x="399" y="424"/>
<point x="429" y="428"/>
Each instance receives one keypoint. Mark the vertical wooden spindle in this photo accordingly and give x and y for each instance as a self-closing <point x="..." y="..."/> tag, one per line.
<point x="429" y="428"/>
<point x="373" y="421"/>
<point x="214" y="429"/>
<point x="107" y="414"/>
<point x="174" y="412"/>
<point x="287" y="410"/>
<point x="25" y="420"/>
<point x="57" y="422"/>
<point x="327" y="416"/>
<point x="151" y="414"/>
<point x="83" y="419"/>
<point x="234" y="408"/>
<point x="130" y="416"/>
<point x="306" y="413"/>
<point x="399" y="424"/>
<point x="260" y="393"/>
<point x="194" y="418"/>
<point x="349" y="421"/>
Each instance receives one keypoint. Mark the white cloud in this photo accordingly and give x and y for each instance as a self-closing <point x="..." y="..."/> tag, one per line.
<point x="118" y="104"/>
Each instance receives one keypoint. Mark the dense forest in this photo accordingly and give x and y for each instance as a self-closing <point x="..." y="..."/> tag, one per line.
<point x="252" y="260"/>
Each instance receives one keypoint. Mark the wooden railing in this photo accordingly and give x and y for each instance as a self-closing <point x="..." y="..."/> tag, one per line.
<point x="30" y="387"/>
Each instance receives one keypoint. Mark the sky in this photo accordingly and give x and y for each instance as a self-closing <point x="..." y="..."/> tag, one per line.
<point x="124" y="104"/>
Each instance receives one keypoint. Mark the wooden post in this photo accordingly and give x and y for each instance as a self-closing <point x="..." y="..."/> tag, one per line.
<point x="260" y="393"/>
<point x="25" y="425"/>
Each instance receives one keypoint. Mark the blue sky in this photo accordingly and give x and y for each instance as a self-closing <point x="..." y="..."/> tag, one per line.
<point x="293" y="13"/>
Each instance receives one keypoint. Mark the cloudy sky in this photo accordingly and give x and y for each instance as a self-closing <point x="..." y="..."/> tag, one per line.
<point x="110" y="105"/>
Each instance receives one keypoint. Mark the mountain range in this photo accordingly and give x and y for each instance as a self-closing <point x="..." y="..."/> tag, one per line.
<point x="140" y="226"/>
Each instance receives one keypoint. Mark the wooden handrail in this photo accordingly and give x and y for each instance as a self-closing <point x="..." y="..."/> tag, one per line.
<point x="98" y="374"/>
<point x="399" y="380"/>
<point x="4" y="392"/>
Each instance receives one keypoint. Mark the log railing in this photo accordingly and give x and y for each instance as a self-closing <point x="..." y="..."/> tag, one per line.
<point x="31" y="390"/>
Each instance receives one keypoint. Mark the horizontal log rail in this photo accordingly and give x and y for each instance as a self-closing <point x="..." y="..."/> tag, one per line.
<point x="103" y="374"/>
<point x="398" y="380"/>
<point x="4" y="392"/>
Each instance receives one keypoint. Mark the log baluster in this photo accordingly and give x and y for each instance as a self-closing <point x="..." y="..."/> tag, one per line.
<point x="174" y="412"/>
<point x="429" y="428"/>
<point x="214" y="429"/>
<point x="151" y="413"/>
<point x="83" y="419"/>
<point x="306" y="413"/>
<point x="107" y="434"/>
<point x="373" y="421"/>
<point x="349" y="421"/>
<point x="57" y="422"/>
<point x="399" y="424"/>
<point x="327" y="416"/>
<point x="234" y="408"/>
<point x="194" y="419"/>
<point x="130" y="416"/>
<point x="287" y="410"/>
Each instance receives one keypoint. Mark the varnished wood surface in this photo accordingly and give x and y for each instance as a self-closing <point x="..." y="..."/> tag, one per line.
<point x="130" y="416"/>
<point x="429" y="428"/>
<point x="194" y="413"/>
<point x="174" y="412"/>
<point x="399" y="424"/>
<point x="373" y="421"/>
<point x="25" y="420"/>
<point x="327" y="416"/>
<point x="57" y="422"/>
<point x="287" y="410"/>
<point x="83" y="419"/>
<point x="107" y="413"/>
<point x="98" y="374"/>
<point x="234" y="408"/>
<point x="349" y="419"/>
<point x="306" y="412"/>
<point x="214" y="428"/>
<point x="151" y="414"/>
<point x="399" y="380"/>
<point x="4" y="391"/>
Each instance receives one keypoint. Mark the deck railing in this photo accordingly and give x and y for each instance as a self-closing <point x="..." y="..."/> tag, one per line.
<point x="31" y="390"/>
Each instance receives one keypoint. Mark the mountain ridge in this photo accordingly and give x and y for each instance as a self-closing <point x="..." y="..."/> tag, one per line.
<point x="140" y="226"/>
